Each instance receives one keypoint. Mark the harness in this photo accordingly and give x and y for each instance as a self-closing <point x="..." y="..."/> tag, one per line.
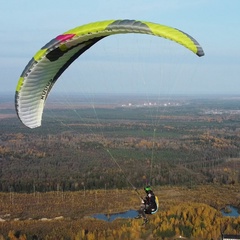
<point x="157" y="204"/>
<point x="153" y="205"/>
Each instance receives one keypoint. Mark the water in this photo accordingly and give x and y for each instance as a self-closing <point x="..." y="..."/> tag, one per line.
<point x="233" y="212"/>
<point x="111" y="217"/>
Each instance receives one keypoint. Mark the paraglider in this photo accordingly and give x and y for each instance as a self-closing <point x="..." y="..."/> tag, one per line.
<point x="149" y="204"/>
<point x="47" y="65"/>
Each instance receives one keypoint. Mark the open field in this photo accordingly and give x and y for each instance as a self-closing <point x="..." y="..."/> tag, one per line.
<point x="68" y="214"/>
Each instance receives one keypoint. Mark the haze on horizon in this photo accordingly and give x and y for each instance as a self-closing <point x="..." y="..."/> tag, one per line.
<point x="128" y="64"/>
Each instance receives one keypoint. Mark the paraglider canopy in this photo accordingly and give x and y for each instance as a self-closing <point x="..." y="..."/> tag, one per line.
<point x="46" y="66"/>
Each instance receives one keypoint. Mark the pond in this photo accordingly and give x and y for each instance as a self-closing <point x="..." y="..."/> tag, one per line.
<point x="231" y="211"/>
<point x="111" y="217"/>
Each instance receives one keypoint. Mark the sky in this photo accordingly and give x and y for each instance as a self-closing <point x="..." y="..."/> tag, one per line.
<point x="124" y="63"/>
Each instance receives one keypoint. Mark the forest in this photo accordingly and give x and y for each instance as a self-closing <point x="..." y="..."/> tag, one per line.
<point x="183" y="146"/>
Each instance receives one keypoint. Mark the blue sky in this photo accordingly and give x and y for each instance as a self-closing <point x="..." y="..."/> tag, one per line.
<point x="124" y="63"/>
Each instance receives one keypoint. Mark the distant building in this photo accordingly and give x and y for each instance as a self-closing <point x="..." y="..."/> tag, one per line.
<point x="230" y="237"/>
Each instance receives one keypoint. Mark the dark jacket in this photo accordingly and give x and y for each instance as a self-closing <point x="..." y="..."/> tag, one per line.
<point x="150" y="202"/>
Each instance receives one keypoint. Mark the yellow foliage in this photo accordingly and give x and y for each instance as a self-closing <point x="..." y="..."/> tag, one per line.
<point x="90" y="236"/>
<point x="180" y="216"/>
